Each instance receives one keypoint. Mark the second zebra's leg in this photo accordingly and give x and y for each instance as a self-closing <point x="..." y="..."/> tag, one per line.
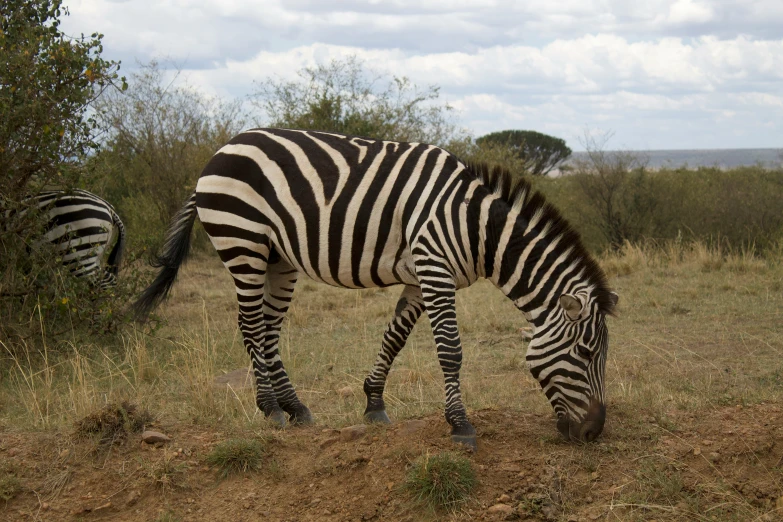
<point x="409" y="308"/>
<point x="280" y="282"/>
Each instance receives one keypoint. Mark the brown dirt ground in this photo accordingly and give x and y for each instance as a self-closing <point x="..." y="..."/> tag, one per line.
<point x="722" y="465"/>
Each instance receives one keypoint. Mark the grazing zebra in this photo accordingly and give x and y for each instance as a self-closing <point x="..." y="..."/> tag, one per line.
<point x="356" y="213"/>
<point x="82" y="226"/>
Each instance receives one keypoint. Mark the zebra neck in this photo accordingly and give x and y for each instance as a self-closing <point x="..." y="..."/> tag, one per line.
<point x="531" y="266"/>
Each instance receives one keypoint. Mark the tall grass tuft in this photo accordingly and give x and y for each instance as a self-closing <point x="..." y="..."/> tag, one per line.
<point x="442" y="481"/>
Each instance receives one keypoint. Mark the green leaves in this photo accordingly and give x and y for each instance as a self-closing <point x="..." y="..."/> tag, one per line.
<point x="347" y="97"/>
<point x="541" y="152"/>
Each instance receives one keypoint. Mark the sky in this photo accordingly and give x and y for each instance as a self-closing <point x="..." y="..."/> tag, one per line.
<point x="656" y="74"/>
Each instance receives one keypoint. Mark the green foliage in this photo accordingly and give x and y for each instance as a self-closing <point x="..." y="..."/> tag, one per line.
<point x="540" y="152"/>
<point x="159" y="137"/>
<point x="9" y="486"/>
<point x="346" y="97"/>
<point x="616" y="199"/>
<point x="237" y="456"/>
<point x="444" y="480"/>
<point x="500" y="154"/>
<point x="47" y="82"/>
<point x="620" y="190"/>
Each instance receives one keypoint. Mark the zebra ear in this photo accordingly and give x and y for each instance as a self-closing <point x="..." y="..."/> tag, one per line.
<point x="571" y="305"/>
<point x="614" y="297"/>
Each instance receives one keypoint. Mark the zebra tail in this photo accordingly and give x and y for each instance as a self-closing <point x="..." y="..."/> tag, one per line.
<point x="115" y="257"/>
<point x="173" y="254"/>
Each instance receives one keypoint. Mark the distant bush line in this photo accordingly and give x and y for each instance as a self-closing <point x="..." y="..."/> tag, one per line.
<point x="739" y="209"/>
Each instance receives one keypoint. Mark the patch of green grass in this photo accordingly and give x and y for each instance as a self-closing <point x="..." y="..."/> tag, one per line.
<point x="9" y="486"/>
<point x="237" y="456"/>
<point x="444" y="480"/>
<point x="168" y="516"/>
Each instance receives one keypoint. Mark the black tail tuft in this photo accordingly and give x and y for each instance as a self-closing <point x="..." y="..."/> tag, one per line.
<point x="115" y="257"/>
<point x="173" y="254"/>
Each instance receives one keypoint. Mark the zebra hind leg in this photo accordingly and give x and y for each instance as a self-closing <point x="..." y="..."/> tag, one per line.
<point x="249" y="273"/>
<point x="409" y="308"/>
<point x="280" y="282"/>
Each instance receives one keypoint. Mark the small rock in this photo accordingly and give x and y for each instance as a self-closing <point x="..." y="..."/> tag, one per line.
<point x="104" y="506"/>
<point x="353" y="432"/>
<point x="315" y="501"/>
<point x="504" y="499"/>
<point x="681" y="506"/>
<point x="594" y="475"/>
<point x="240" y="379"/>
<point x="133" y="497"/>
<point x="151" y="437"/>
<point x="412" y="426"/>
<point x="64" y="453"/>
<point x="501" y="508"/>
<point x="45" y="506"/>
<point x="345" y="392"/>
<point x="390" y="486"/>
<point x="246" y="505"/>
<point x="714" y="456"/>
<point x="328" y="442"/>
<point x="697" y="451"/>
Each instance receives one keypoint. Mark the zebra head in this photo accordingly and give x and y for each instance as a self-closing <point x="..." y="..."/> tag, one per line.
<point x="567" y="355"/>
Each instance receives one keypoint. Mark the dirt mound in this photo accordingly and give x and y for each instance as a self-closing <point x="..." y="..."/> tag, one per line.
<point x="722" y="465"/>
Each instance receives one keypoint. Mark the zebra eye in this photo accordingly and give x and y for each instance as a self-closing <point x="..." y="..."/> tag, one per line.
<point x="584" y="351"/>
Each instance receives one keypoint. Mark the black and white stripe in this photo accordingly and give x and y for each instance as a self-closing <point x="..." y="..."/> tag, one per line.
<point x="356" y="213"/>
<point x="82" y="226"/>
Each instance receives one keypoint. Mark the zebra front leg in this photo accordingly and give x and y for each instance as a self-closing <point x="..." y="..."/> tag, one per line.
<point x="280" y="283"/>
<point x="409" y="308"/>
<point x="439" y="301"/>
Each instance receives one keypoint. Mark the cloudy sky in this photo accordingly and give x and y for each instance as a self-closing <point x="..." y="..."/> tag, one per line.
<point x="659" y="74"/>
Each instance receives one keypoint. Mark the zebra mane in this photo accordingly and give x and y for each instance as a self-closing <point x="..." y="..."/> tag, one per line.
<point x="518" y="192"/>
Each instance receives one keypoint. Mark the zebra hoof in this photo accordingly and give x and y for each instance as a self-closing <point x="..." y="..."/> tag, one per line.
<point x="302" y="416"/>
<point x="466" y="440"/>
<point x="277" y="418"/>
<point x="377" y="417"/>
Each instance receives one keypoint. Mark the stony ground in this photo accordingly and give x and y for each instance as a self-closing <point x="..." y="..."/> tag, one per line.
<point x="726" y="466"/>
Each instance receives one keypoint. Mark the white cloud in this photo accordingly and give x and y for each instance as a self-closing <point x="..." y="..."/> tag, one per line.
<point x="665" y="72"/>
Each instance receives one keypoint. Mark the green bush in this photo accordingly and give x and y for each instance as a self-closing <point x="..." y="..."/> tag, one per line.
<point x="47" y="82"/>
<point x="737" y="209"/>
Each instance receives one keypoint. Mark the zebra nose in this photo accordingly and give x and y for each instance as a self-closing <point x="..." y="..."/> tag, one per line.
<point x="593" y="424"/>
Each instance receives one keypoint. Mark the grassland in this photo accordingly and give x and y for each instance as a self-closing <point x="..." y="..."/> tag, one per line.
<point x="695" y="379"/>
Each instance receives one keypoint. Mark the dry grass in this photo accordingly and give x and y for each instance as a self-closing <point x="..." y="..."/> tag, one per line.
<point x="697" y="330"/>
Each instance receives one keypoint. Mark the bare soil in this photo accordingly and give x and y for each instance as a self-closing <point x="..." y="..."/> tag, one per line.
<point x="722" y="465"/>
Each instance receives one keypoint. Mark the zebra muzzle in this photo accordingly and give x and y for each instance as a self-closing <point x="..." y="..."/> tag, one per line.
<point x="586" y="430"/>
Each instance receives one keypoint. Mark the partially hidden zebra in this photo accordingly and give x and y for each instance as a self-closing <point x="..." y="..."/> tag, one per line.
<point x="81" y="226"/>
<point x="355" y="212"/>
